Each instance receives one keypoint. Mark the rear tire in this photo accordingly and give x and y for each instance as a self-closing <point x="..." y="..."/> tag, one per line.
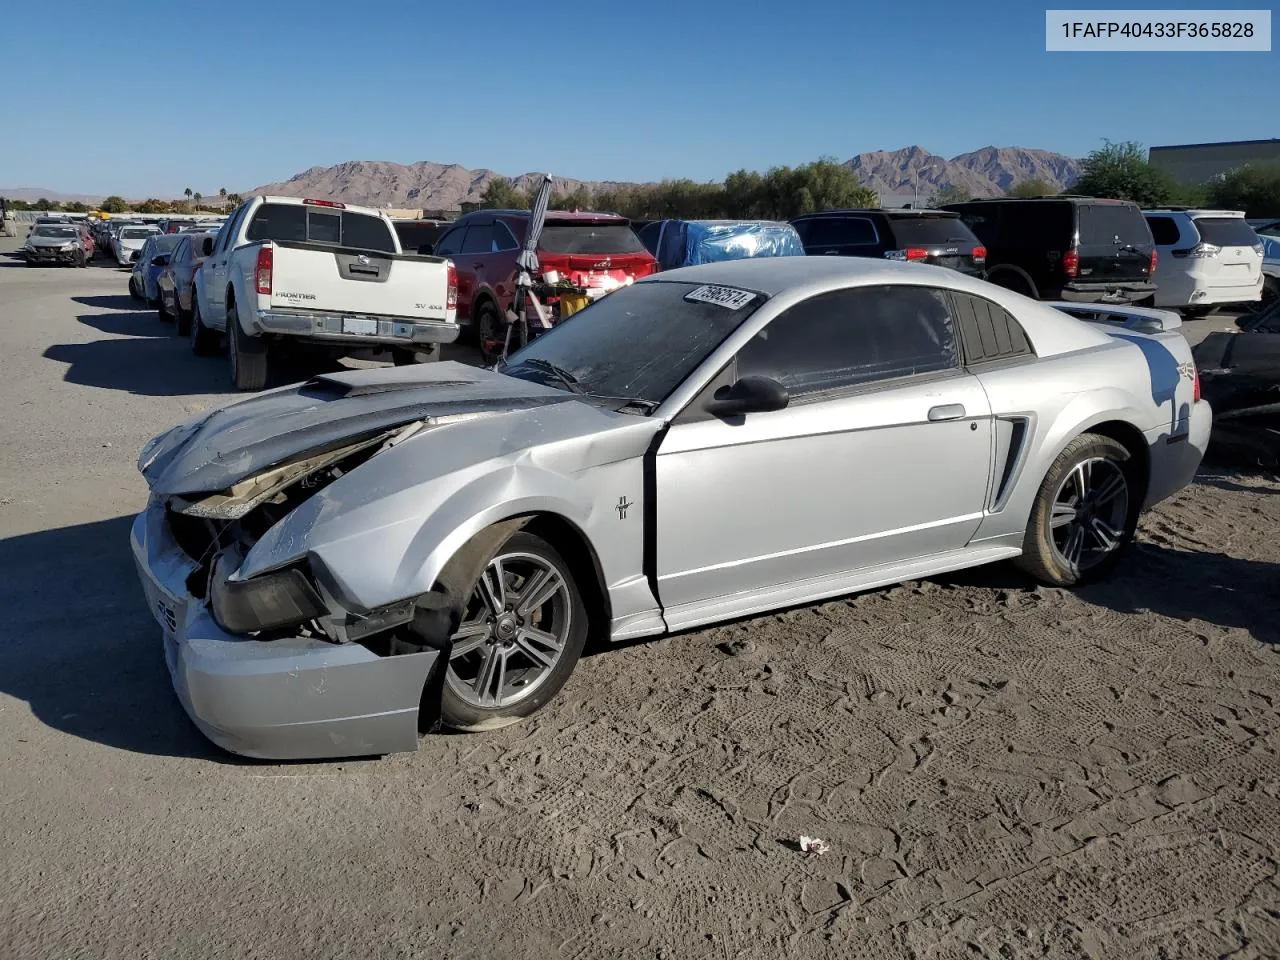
<point x="525" y="653"/>
<point x="248" y="355"/>
<point x="204" y="342"/>
<point x="1085" y="514"/>
<point x="490" y="333"/>
<point x="1015" y="282"/>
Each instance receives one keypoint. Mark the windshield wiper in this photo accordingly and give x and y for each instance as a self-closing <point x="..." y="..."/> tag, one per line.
<point x="648" y="405"/>
<point x="561" y="374"/>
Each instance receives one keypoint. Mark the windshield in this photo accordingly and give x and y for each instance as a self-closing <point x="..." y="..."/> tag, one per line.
<point x="1103" y="223"/>
<point x="589" y="238"/>
<point x="137" y="233"/>
<point x="1226" y="231"/>
<point x="640" y="342"/>
<point x="908" y="231"/>
<point x="61" y="233"/>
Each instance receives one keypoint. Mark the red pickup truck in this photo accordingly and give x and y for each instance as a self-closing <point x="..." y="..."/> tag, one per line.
<point x="590" y="250"/>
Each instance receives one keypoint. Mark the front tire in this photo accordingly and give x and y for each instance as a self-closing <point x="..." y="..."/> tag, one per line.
<point x="490" y="333"/>
<point x="248" y="355"/>
<point x="521" y="634"/>
<point x="1085" y="514"/>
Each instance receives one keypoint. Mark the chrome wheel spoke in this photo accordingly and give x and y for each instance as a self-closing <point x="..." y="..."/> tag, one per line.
<point x="493" y="668"/>
<point x="1075" y="545"/>
<point x="1108" y="491"/>
<point x="541" y="587"/>
<point x="1061" y="516"/>
<point x="541" y="657"/>
<point x="1080" y="481"/>
<point x="493" y="589"/>
<point x="469" y="637"/>
<point x="1107" y="536"/>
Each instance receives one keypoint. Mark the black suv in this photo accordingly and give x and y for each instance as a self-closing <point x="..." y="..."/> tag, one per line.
<point x="925" y="236"/>
<point x="1082" y="249"/>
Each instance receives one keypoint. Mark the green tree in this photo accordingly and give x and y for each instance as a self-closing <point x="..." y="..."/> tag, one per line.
<point x="234" y="199"/>
<point x="187" y="193"/>
<point x="45" y="204"/>
<point x="500" y="194"/>
<point x="113" y="204"/>
<point x="1120" y="171"/>
<point x="1031" y="188"/>
<point x="1253" y="189"/>
<point x="198" y="199"/>
<point x="75" y="207"/>
<point x="950" y="194"/>
<point x="152" y="205"/>
<point x="222" y="195"/>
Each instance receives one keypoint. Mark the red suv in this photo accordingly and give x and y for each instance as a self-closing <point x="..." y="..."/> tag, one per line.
<point x="591" y="250"/>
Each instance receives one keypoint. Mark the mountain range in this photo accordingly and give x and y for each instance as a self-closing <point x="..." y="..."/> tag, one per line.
<point x="988" y="172"/>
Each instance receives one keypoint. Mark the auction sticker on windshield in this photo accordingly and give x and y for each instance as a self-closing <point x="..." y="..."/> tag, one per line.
<point x="728" y="297"/>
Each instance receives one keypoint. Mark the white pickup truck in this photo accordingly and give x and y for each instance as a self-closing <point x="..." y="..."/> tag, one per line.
<point x="285" y="272"/>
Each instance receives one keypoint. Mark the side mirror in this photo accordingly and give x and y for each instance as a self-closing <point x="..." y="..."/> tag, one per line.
<point x="160" y="261"/>
<point x="207" y="246"/>
<point x="426" y="249"/>
<point x="749" y="395"/>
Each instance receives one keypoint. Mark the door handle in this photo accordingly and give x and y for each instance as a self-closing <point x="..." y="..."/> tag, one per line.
<point x="476" y="266"/>
<point x="948" y="411"/>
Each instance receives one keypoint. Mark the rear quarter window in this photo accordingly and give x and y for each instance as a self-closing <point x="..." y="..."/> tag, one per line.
<point x="1226" y="231"/>
<point x="1164" y="230"/>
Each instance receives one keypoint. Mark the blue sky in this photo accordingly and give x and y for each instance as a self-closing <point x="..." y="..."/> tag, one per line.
<point x="147" y="98"/>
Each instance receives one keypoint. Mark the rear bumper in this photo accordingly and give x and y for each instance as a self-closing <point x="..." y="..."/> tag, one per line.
<point x="1176" y="455"/>
<point x="1107" y="292"/>
<point x="1192" y="291"/>
<point x="286" y="699"/>
<point x="328" y="328"/>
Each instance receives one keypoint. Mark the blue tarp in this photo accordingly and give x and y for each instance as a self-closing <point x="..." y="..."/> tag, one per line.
<point x="683" y="243"/>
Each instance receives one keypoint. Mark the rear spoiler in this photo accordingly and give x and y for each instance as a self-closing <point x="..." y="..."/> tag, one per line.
<point x="1137" y="319"/>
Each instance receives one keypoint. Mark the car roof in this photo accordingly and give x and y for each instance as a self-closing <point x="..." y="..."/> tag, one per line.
<point x="1194" y="212"/>
<point x="558" y="215"/>
<point x="886" y="211"/>
<point x="774" y="275"/>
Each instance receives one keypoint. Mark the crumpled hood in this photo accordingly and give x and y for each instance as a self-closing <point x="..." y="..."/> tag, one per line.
<point x="211" y="452"/>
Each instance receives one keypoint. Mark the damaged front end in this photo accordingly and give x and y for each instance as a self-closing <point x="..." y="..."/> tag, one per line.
<point x="279" y="665"/>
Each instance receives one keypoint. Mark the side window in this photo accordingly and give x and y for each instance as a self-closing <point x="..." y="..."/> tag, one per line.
<point x="451" y="242"/>
<point x="503" y="238"/>
<point x="988" y="332"/>
<point x="851" y="337"/>
<point x="479" y="239"/>
<point x="230" y="229"/>
<point x="1164" y="230"/>
<point x="180" y="254"/>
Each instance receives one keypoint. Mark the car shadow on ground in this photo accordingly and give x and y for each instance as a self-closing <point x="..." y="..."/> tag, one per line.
<point x="114" y="301"/>
<point x="145" y="358"/>
<point x="1186" y="585"/>
<point x="80" y="647"/>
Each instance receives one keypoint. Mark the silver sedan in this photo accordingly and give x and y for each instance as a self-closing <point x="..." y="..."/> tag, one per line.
<point x="340" y="564"/>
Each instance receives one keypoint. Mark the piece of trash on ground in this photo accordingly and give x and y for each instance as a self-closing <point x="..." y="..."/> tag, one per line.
<point x="813" y="846"/>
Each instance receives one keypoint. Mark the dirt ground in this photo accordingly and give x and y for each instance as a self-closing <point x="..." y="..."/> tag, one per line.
<point x="1000" y="770"/>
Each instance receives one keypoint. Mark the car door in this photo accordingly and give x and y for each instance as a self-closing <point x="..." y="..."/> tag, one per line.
<point x="881" y="456"/>
<point x="216" y="270"/>
<point x="450" y="246"/>
<point x="473" y="258"/>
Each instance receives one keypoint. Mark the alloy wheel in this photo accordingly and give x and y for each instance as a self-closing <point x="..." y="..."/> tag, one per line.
<point x="513" y="632"/>
<point x="1090" y="513"/>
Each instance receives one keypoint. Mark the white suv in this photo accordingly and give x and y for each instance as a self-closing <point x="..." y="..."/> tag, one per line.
<point x="1207" y="258"/>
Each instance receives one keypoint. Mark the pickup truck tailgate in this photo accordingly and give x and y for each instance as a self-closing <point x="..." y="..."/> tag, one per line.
<point x="362" y="283"/>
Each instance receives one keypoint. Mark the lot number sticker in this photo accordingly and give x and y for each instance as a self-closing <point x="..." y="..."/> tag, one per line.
<point x="727" y="297"/>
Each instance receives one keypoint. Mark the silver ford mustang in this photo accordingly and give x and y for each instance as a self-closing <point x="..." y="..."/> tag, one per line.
<point x="340" y="564"/>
